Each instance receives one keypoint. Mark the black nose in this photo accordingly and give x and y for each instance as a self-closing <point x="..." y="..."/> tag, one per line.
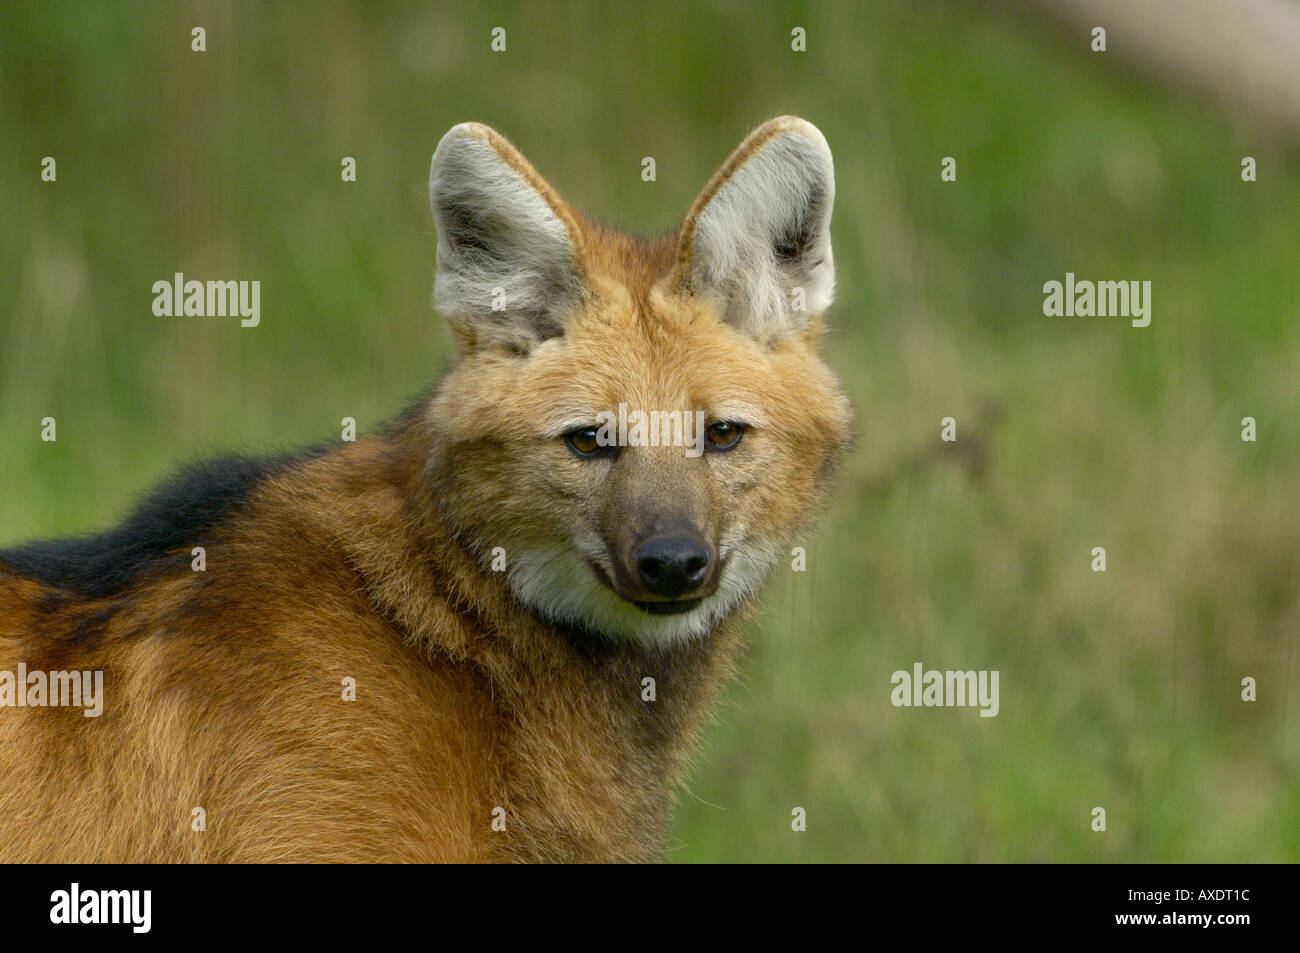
<point x="672" y="566"/>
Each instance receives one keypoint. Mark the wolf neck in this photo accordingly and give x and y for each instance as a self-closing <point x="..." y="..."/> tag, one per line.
<point x="580" y="727"/>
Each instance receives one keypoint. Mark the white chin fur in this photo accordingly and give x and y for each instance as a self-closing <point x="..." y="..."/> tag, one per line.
<point x="556" y="581"/>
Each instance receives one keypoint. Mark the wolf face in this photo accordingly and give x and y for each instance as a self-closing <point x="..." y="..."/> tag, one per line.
<point x="637" y="429"/>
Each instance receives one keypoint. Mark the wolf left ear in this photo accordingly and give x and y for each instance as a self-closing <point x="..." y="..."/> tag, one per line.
<point x="757" y="239"/>
<point x="510" y="253"/>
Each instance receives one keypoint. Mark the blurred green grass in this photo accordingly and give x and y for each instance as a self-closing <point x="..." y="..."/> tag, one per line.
<point x="1118" y="689"/>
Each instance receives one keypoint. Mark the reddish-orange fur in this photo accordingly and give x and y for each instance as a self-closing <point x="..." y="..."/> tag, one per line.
<point x="224" y="688"/>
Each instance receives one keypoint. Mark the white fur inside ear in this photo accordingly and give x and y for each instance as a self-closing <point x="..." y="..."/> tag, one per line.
<point x="762" y="243"/>
<point x="506" y="265"/>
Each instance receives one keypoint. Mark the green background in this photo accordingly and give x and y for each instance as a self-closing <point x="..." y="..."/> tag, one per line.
<point x="1118" y="689"/>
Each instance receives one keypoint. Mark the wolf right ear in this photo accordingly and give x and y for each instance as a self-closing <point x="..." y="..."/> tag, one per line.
<point x="757" y="240"/>
<point x="510" y="254"/>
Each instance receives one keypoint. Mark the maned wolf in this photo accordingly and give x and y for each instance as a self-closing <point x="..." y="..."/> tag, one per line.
<point x="436" y="644"/>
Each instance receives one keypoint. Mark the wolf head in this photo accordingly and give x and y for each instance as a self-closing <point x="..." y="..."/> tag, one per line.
<point x="634" y="431"/>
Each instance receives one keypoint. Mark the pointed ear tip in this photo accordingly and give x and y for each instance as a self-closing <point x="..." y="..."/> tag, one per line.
<point x="797" y="125"/>
<point x="475" y="129"/>
<point x="461" y="132"/>
<point x="791" y="121"/>
<point x="458" y="145"/>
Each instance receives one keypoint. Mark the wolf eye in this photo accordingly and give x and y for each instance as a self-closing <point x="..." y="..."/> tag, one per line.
<point x="724" y="434"/>
<point x="584" y="443"/>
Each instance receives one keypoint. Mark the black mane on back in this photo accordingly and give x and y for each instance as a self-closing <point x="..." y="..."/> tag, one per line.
<point x="173" y="518"/>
